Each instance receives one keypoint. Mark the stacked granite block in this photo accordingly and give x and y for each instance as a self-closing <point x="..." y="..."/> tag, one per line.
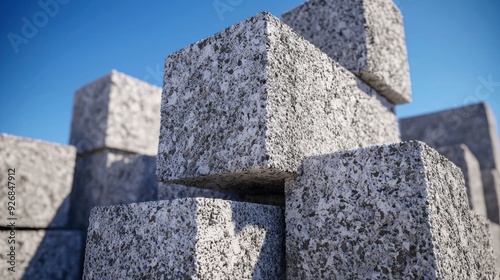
<point x="190" y="238"/>
<point x="36" y="240"/>
<point x="394" y="211"/>
<point x="365" y="36"/>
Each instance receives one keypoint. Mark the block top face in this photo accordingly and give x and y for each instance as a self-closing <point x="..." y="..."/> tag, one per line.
<point x="365" y="36"/>
<point x="473" y="125"/>
<point x="257" y="98"/>
<point x="116" y="111"/>
<point x="41" y="175"/>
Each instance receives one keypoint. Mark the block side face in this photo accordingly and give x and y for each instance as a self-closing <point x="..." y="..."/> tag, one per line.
<point x="492" y="122"/>
<point x="491" y="188"/>
<point x="448" y="215"/>
<point x="109" y="178"/>
<point x="41" y="254"/>
<point x="41" y="181"/>
<point x="134" y="115"/>
<point x="215" y="90"/>
<point x="90" y="115"/>
<point x="153" y="240"/>
<point x="252" y="247"/>
<point x="388" y="69"/>
<point x="495" y="237"/>
<point x="467" y="125"/>
<point x="360" y="214"/>
<point x="335" y="27"/>
<point x="315" y="106"/>
<point x="481" y="247"/>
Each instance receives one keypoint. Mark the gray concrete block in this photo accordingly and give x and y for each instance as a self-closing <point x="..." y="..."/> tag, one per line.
<point x="365" y="36"/>
<point x="41" y="182"/>
<point x="191" y="238"/>
<point x="395" y="211"/>
<point x="116" y="111"/>
<point x="495" y="237"/>
<point x="256" y="99"/>
<point x="491" y="188"/>
<point x="461" y="156"/>
<point x="43" y="255"/>
<point x="481" y="248"/>
<point x="110" y="177"/>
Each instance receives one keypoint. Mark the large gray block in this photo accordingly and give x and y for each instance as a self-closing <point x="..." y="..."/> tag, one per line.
<point x="365" y="36"/>
<point x="117" y="111"/>
<point x="111" y="177"/>
<point x="394" y="211"/>
<point x="43" y="178"/>
<point x="481" y="247"/>
<point x="192" y="238"/>
<point x="43" y="255"/>
<point x="241" y="109"/>
<point x="462" y="157"/>
<point x="491" y="188"/>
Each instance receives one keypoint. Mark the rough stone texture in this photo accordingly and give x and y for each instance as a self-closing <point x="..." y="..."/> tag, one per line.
<point x="491" y="187"/>
<point x="393" y="212"/>
<point x="495" y="236"/>
<point x="119" y="112"/>
<point x="191" y="238"/>
<point x="168" y="191"/>
<point x="43" y="255"/>
<point x="481" y="248"/>
<point x="365" y="36"/>
<point x="256" y="99"/>
<point x="474" y="126"/>
<point x="467" y="162"/>
<point x="43" y="178"/>
<point x="111" y="177"/>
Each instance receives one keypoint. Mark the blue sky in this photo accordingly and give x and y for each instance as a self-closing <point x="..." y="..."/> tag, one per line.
<point x="453" y="47"/>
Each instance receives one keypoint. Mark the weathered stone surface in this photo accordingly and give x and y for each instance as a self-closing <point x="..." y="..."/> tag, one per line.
<point x="117" y="111"/>
<point x="191" y="238"/>
<point x="256" y="99"/>
<point x="111" y="177"/>
<point x="495" y="237"/>
<point x="43" y="178"/>
<point x="394" y="211"/>
<point x="491" y="188"/>
<point x="44" y="255"/>
<point x="467" y="162"/>
<point x="168" y="191"/>
<point x="481" y="248"/>
<point x="365" y="36"/>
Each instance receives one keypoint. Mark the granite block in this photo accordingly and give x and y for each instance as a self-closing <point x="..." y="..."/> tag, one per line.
<point x="481" y="248"/>
<point x="462" y="157"/>
<point x="241" y="109"/>
<point x="384" y="212"/>
<point x="41" y="182"/>
<point x="495" y="237"/>
<point x="119" y="112"/>
<point x="190" y="238"/>
<point x="42" y="254"/>
<point x="365" y="36"/>
<point x="491" y="188"/>
<point x="110" y="177"/>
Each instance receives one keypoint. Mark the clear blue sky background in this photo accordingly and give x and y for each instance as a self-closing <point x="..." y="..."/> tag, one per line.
<point x="452" y="46"/>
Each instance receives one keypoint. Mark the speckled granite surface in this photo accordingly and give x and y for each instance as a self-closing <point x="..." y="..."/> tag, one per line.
<point x="43" y="255"/>
<point x="365" y="36"/>
<point x="495" y="237"/>
<point x="116" y="111"/>
<point x="481" y="247"/>
<point x="462" y="157"/>
<point x="111" y="177"/>
<point x="43" y="178"/>
<point x="385" y="212"/>
<point x="241" y="109"/>
<point x="191" y="238"/>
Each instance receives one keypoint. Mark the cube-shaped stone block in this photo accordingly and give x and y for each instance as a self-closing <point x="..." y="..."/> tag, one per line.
<point x="365" y="36"/>
<point x="395" y="211"/>
<point x="110" y="177"/>
<point x="481" y="247"/>
<point x="36" y="182"/>
<point x="462" y="157"/>
<point x="41" y="254"/>
<point x="117" y="111"/>
<point x="491" y="188"/>
<point x="241" y="109"/>
<point x="191" y="238"/>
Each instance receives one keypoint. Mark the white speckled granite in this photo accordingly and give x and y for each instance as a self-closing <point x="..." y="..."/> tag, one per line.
<point x="191" y="238"/>
<point x="43" y="255"/>
<point x="394" y="212"/>
<point x="43" y="178"/>
<point x="365" y="36"/>
<point x="117" y="111"/>
<point x="241" y="109"/>
<point x="495" y="237"/>
<point x="111" y="177"/>
<point x="461" y="156"/>
<point x="481" y="247"/>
